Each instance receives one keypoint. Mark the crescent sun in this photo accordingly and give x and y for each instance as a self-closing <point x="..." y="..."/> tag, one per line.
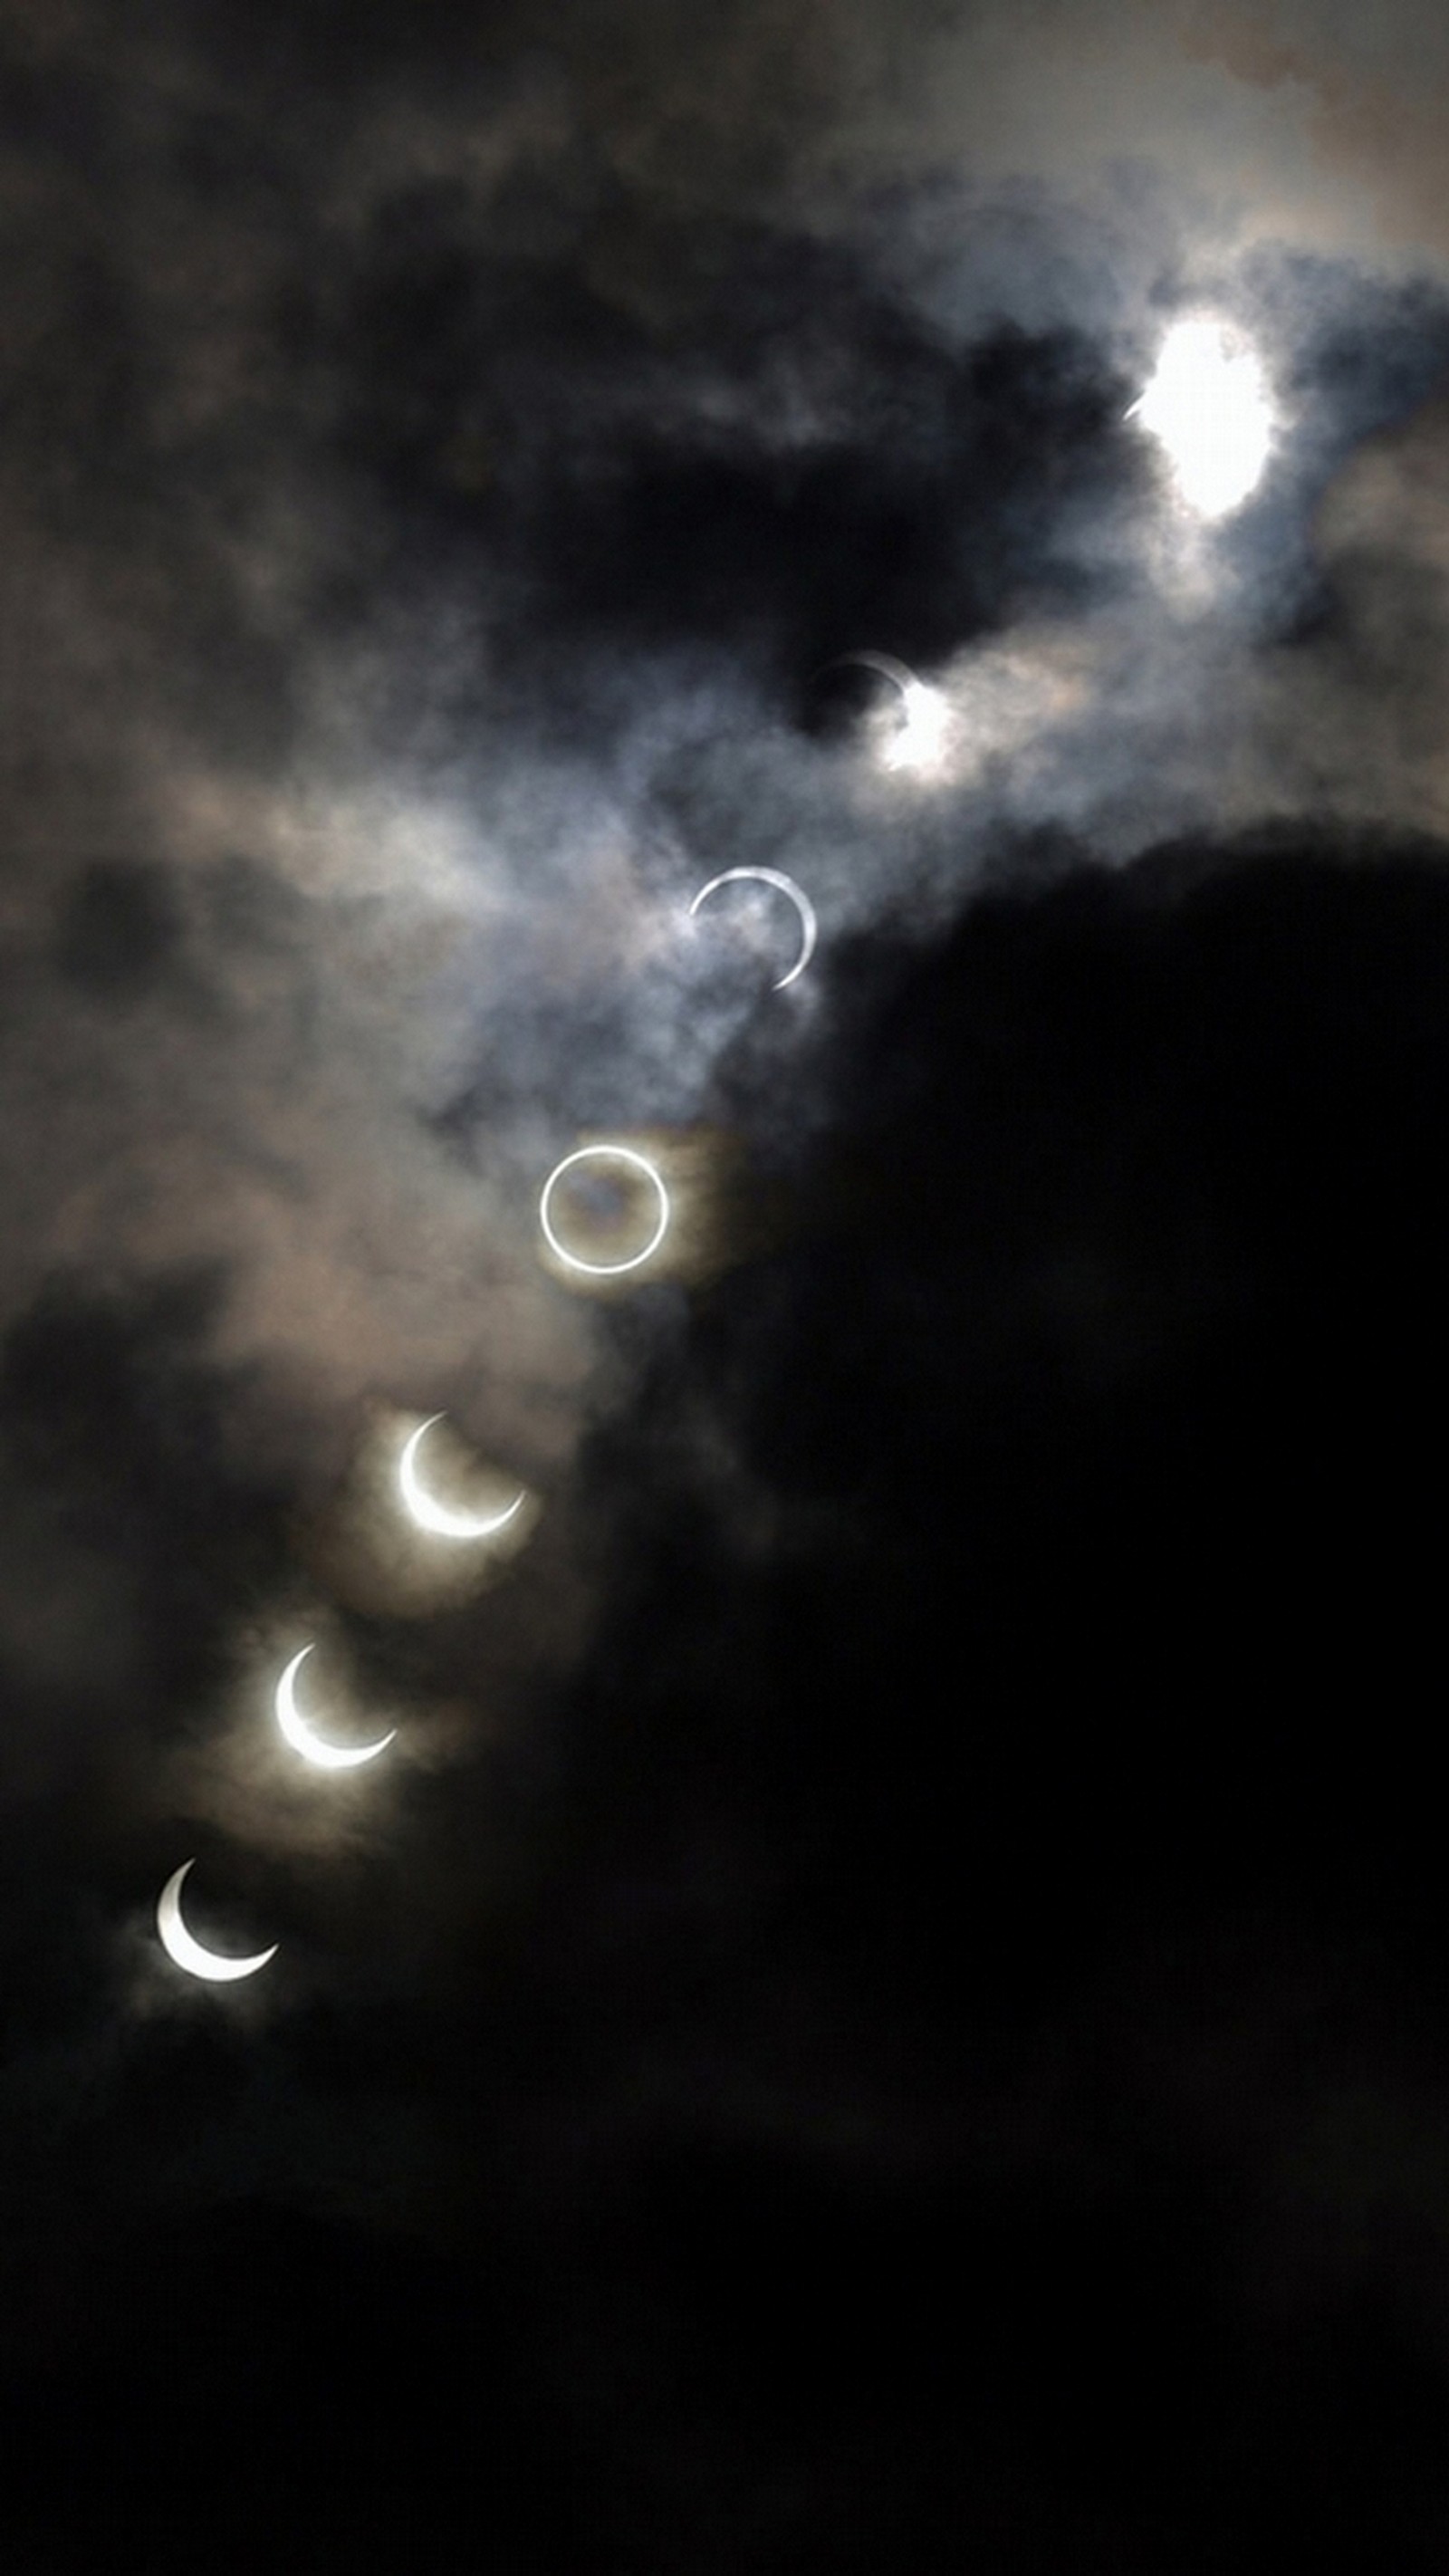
<point x="432" y="1515"/>
<point x="303" y="1739"/>
<point x="899" y="674"/>
<point x="187" y="1951"/>
<point x="783" y="885"/>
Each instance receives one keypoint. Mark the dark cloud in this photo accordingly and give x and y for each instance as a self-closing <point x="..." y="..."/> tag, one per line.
<point x="119" y="930"/>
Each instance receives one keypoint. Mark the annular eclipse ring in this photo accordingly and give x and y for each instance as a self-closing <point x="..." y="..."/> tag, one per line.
<point x="608" y="1154"/>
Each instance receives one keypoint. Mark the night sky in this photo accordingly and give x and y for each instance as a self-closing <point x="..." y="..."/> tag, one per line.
<point x="886" y="2011"/>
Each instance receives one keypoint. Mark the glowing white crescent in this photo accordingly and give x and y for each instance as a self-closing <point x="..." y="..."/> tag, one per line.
<point x="613" y="1154"/>
<point x="889" y="668"/>
<point x="180" y="1945"/>
<point x="312" y="1747"/>
<point x="433" y="1515"/>
<point x="783" y="885"/>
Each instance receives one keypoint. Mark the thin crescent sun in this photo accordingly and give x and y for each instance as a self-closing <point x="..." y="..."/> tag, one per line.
<point x="899" y="673"/>
<point x="777" y="878"/>
<point x="187" y="1951"/>
<point x="432" y="1515"/>
<point x="302" y="1737"/>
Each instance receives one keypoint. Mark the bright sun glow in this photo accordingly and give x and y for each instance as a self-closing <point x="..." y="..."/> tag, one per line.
<point x="1208" y="403"/>
<point x="918" y="742"/>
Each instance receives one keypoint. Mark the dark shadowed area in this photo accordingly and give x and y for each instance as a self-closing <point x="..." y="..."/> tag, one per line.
<point x="957" y="2044"/>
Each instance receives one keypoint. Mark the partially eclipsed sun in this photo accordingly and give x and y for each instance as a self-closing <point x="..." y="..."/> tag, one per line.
<point x="304" y="1739"/>
<point x="777" y="878"/>
<point x="187" y="1951"/>
<point x="429" y="1513"/>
